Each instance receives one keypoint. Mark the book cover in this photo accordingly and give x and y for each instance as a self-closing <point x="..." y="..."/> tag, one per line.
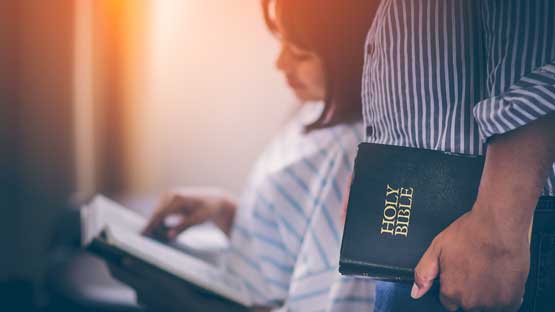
<point x="114" y="255"/>
<point x="400" y="199"/>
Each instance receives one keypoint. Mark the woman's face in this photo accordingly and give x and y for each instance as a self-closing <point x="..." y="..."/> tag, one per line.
<point x="303" y="69"/>
<point x="304" y="72"/>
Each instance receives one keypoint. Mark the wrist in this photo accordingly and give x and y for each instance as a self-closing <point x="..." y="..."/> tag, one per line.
<point x="508" y="222"/>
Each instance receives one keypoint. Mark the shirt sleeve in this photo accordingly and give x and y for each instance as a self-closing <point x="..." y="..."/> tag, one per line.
<point x="289" y="222"/>
<point x="519" y="50"/>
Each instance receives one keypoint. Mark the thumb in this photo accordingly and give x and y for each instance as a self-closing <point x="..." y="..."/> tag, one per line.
<point x="426" y="271"/>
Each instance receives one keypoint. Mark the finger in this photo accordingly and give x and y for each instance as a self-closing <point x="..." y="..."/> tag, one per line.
<point x="185" y="223"/>
<point x="515" y="306"/>
<point x="425" y="272"/>
<point x="166" y="208"/>
<point x="448" y="303"/>
<point x="157" y="217"/>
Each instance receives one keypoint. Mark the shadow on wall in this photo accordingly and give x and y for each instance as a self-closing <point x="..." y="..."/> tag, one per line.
<point x="37" y="43"/>
<point x="212" y="97"/>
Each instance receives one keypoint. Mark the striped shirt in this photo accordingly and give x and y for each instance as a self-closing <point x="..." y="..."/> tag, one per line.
<point x="287" y="233"/>
<point x="448" y="74"/>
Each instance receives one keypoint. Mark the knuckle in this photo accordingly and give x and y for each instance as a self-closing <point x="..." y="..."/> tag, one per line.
<point x="196" y="218"/>
<point x="167" y="196"/>
<point x="164" y="202"/>
<point x="452" y="308"/>
<point x="448" y="291"/>
<point x="176" y="198"/>
<point x="507" y="298"/>
<point x="420" y="277"/>
<point x="502" y="302"/>
<point x="436" y="241"/>
<point x="506" y="302"/>
<point x="468" y="304"/>
<point x="448" y="303"/>
<point x="173" y="204"/>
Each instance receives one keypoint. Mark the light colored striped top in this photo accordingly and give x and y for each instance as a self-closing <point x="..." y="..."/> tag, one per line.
<point x="286" y="237"/>
<point x="449" y="74"/>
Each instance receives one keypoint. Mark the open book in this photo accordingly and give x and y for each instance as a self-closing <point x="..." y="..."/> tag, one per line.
<point x="111" y="231"/>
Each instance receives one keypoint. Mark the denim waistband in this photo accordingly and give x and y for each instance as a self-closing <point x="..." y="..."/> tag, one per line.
<point x="546" y="203"/>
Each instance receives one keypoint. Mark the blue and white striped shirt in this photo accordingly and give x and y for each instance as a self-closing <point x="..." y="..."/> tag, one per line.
<point x="449" y="74"/>
<point x="287" y="233"/>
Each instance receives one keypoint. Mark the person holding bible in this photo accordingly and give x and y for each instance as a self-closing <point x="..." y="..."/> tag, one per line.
<point x="285" y="232"/>
<point x="473" y="77"/>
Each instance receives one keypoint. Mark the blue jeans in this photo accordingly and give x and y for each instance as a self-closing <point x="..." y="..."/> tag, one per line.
<point x="540" y="287"/>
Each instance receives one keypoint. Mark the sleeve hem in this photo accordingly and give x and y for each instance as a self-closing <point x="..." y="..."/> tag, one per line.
<point x="515" y="109"/>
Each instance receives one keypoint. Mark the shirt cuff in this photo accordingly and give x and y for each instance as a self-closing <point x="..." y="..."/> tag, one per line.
<point x="532" y="97"/>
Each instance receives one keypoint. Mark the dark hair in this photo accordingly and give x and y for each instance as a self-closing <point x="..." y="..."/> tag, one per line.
<point x="334" y="30"/>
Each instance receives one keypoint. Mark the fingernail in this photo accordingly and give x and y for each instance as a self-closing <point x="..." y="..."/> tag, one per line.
<point x="415" y="292"/>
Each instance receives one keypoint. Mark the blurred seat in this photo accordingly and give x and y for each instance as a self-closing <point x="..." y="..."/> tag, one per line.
<point x="77" y="280"/>
<point x="84" y="282"/>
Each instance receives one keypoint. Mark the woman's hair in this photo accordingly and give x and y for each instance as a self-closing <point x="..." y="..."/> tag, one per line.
<point x="334" y="30"/>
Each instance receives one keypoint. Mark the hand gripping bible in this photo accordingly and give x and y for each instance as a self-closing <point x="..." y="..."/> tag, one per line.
<point x="400" y="199"/>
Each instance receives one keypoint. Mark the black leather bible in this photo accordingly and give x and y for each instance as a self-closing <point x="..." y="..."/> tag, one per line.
<point x="400" y="199"/>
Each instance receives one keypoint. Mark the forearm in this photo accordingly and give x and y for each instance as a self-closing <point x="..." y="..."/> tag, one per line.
<point x="516" y="169"/>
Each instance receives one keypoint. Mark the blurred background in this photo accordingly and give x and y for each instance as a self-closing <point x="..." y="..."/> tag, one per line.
<point x="127" y="98"/>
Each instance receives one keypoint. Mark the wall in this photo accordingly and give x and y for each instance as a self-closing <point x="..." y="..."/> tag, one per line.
<point x="44" y="140"/>
<point x="9" y="110"/>
<point x="206" y="96"/>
